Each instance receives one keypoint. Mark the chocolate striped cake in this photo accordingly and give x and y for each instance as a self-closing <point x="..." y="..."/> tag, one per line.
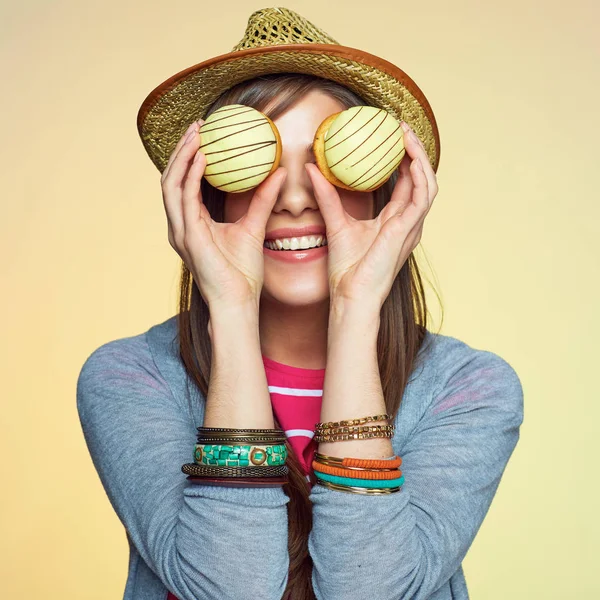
<point x="242" y="148"/>
<point x="359" y="148"/>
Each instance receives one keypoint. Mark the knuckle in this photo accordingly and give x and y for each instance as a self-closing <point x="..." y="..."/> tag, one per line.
<point x="398" y="228"/>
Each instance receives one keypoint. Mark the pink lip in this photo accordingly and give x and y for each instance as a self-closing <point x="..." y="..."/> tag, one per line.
<point x="296" y="256"/>
<point x="289" y="232"/>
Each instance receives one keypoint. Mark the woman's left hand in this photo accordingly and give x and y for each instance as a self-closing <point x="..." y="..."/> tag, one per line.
<point x="365" y="256"/>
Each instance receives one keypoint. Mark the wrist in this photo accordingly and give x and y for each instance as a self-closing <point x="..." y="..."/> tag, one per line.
<point x="345" y="314"/>
<point x="245" y="314"/>
<point x="228" y="323"/>
<point x="238" y="394"/>
<point x="353" y="327"/>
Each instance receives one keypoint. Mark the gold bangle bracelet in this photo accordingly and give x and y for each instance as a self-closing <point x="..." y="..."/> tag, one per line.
<point x="218" y="471"/>
<point x="238" y="441"/>
<point x="352" y="436"/>
<point x="346" y="422"/>
<point x="237" y="436"/>
<point x="227" y="430"/>
<point x="224" y="435"/>
<point x="356" y="429"/>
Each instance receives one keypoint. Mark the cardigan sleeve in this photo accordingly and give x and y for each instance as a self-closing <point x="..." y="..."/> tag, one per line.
<point x="408" y="544"/>
<point x="194" y="537"/>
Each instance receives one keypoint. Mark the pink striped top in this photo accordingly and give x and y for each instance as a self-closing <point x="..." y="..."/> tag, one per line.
<point x="296" y="396"/>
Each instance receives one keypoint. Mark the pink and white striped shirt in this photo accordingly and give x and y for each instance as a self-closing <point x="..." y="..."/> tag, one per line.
<point x="296" y="397"/>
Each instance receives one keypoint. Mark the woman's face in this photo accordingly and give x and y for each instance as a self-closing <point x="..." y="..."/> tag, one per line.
<point x="299" y="282"/>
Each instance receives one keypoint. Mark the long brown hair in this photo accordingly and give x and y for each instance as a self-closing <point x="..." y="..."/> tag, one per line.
<point x="403" y="314"/>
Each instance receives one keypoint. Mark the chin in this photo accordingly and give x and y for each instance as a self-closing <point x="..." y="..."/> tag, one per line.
<point x="296" y="291"/>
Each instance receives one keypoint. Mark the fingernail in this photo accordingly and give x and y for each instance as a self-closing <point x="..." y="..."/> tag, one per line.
<point x="191" y="127"/>
<point x="404" y="126"/>
<point x="190" y="136"/>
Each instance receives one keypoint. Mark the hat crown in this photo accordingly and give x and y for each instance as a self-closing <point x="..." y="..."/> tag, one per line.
<point x="277" y="26"/>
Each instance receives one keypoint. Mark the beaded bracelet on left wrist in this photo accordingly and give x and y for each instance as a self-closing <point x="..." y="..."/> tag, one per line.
<point x="240" y="457"/>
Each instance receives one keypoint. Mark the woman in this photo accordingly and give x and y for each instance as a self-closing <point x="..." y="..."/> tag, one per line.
<point x="261" y="343"/>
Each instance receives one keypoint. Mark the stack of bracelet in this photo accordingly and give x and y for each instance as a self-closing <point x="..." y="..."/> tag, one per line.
<point x="356" y="475"/>
<point x="239" y="457"/>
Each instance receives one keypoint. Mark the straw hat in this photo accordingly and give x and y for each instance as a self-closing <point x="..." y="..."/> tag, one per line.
<point x="279" y="40"/>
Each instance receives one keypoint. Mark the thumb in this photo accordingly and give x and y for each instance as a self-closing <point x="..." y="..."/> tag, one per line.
<point x="328" y="199"/>
<point x="264" y="199"/>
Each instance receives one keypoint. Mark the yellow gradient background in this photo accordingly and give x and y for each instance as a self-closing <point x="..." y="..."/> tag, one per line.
<point x="511" y="244"/>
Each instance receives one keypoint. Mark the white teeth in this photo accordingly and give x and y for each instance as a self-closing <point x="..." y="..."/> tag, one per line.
<point x="295" y="243"/>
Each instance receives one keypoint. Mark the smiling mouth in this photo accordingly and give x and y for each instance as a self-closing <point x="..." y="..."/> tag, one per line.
<point x="271" y="245"/>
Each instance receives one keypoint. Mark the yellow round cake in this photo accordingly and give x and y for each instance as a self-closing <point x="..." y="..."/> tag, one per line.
<point x="242" y="148"/>
<point x="359" y="148"/>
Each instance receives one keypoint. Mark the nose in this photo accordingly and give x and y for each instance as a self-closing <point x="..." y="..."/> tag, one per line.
<point x="296" y="194"/>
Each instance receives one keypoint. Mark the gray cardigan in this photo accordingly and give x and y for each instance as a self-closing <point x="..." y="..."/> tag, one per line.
<point x="456" y="429"/>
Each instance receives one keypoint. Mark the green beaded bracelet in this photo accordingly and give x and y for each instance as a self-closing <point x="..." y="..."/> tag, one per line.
<point x="366" y="483"/>
<point x="240" y="455"/>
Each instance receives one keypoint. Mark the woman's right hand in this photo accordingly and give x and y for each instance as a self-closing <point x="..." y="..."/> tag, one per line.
<point x="225" y="259"/>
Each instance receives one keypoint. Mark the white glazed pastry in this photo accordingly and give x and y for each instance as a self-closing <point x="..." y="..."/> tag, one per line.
<point x="359" y="148"/>
<point x="242" y="148"/>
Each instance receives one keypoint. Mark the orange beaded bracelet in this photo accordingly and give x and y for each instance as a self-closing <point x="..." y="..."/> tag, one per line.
<point x="368" y="463"/>
<point x="340" y="471"/>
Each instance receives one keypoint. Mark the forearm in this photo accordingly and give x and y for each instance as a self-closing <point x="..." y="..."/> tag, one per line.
<point x="238" y="394"/>
<point x="182" y="531"/>
<point x="352" y="385"/>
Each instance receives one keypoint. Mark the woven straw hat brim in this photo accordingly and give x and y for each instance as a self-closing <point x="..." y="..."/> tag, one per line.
<point x="187" y="96"/>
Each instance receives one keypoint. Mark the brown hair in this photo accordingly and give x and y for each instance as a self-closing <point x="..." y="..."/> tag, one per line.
<point x="403" y="314"/>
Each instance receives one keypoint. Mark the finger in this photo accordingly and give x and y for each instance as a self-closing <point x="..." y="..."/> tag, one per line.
<point x="262" y="203"/>
<point x="404" y="222"/>
<point x="192" y="206"/>
<point x="328" y="199"/>
<point x="414" y="237"/>
<point x="176" y="150"/>
<point x="206" y="257"/>
<point x="392" y="246"/>
<point x="172" y="204"/>
<point x="172" y="194"/>
<point x="182" y="160"/>
<point x="402" y="192"/>
<point x="195" y="125"/>
<point x="416" y="149"/>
